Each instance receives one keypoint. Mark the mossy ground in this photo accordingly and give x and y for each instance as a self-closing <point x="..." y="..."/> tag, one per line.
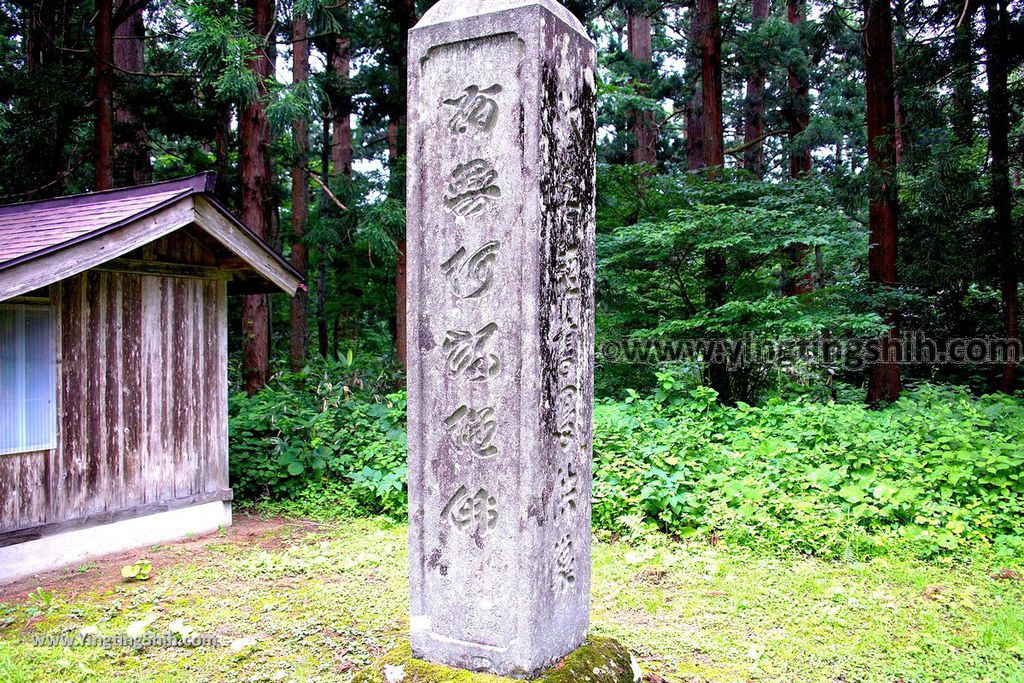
<point x="599" y="660"/>
<point x="416" y="671"/>
<point x="306" y="603"/>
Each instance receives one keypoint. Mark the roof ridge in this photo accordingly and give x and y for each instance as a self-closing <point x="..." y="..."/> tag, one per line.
<point x="199" y="183"/>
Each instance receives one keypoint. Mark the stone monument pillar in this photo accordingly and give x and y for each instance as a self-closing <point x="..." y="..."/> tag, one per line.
<point x="501" y="333"/>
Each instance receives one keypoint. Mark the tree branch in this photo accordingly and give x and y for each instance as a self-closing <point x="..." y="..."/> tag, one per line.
<point x="327" y="190"/>
<point x="758" y="140"/>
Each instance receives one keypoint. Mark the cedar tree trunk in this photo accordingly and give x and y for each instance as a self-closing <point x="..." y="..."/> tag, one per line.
<point x="884" y="384"/>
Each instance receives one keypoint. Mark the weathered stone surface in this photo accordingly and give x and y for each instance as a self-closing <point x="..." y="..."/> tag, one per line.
<point x="500" y="266"/>
<point x="599" y="660"/>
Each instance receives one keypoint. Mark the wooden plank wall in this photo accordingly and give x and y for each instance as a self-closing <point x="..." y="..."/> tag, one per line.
<point x="142" y="401"/>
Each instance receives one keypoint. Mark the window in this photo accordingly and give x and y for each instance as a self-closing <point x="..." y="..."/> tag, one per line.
<point x="28" y="379"/>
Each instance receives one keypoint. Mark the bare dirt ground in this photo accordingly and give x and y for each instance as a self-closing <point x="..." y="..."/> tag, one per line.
<point x="103" y="573"/>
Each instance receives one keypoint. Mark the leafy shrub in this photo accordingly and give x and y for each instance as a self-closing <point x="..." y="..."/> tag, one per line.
<point x="938" y="473"/>
<point x="310" y="429"/>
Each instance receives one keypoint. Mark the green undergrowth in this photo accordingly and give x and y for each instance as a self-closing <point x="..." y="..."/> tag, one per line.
<point x="940" y="474"/>
<point x="294" y="604"/>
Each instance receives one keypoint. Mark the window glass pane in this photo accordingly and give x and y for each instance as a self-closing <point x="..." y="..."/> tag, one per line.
<point x="10" y="386"/>
<point x="27" y="379"/>
<point x="39" y="379"/>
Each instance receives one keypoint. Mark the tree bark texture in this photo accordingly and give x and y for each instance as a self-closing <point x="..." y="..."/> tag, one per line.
<point x="798" y="110"/>
<point x="753" y="104"/>
<point x="132" y="164"/>
<point x="404" y="14"/>
<point x="997" y="39"/>
<point x="103" y="76"/>
<point x="300" y="196"/>
<point x="645" y="132"/>
<point x="254" y="141"/>
<point x="341" y="102"/>
<point x="884" y="384"/>
<point x="710" y="41"/>
<point x="695" y="106"/>
<point x="711" y="82"/>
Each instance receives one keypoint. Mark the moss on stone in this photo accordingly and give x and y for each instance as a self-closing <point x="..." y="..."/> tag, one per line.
<point x="599" y="660"/>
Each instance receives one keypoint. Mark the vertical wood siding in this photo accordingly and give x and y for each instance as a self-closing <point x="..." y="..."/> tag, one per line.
<point x="142" y="415"/>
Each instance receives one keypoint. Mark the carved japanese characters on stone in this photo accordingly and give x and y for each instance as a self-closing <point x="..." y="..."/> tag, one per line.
<point x="472" y="513"/>
<point x="470" y="275"/>
<point x="477" y="110"/>
<point x="567" y="270"/>
<point x="565" y="564"/>
<point x="566" y="417"/>
<point x="473" y="431"/>
<point x="471" y="188"/>
<point x="471" y="354"/>
<point x="568" y="339"/>
<point x="500" y="269"/>
<point x="568" y="491"/>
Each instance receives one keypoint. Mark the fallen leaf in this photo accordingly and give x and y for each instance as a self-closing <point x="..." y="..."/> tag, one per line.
<point x="394" y="674"/>
<point x="1006" y="574"/>
<point x="137" y="628"/>
<point x="239" y="644"/>
<point x="638" y="674"/>
<point x="178" y="626"/>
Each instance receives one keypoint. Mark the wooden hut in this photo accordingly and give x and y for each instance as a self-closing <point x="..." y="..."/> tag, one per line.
<point x="113" y="368"/>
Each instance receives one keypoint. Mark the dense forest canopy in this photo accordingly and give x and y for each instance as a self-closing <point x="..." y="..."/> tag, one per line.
<point x="790" y="171"/>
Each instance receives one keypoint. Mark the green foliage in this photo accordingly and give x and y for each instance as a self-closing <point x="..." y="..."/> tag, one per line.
<point x="221" y="48"/>
<point x="659" y="231"/>
<point x="42" y="599"/>
<point x="139" y="571"/>
<point x="321" y="500"/>
<point x="314" y="427"/>
<point x="937" y="473"/>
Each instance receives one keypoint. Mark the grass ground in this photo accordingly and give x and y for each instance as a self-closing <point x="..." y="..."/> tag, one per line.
<point x="298" y="601"/>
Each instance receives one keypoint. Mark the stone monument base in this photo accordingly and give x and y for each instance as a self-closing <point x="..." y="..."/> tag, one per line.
<point x="599" y="660"/>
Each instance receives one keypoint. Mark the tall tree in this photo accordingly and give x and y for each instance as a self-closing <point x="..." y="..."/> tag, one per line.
<point x="753" y="103"/>
<point x="997" y="47"/>
<point x="796" y="279"/>
<point x="403" y="13"/>
<point x="254" y="142"/>
<point x="884" y="383"/>
<point x="299" y="333"/>
<point x="798" y="111"/>
<point x="695" y="158"/>
<point x="103" y="76"/>
<point x="132" y="165"/>
<point x="338" y="155"/>
<point x="710" y="31"/>
<point x="645" y="132"/>
<point x="341" y="97"/>
<point x="713" y="144"/>
<point x="963" y="73"/>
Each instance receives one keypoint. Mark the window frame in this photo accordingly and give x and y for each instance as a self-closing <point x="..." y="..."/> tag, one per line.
<point x="40" y="304"/>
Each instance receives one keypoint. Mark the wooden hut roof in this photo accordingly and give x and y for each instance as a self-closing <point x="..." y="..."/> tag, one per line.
<point x="45" y="241"/>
